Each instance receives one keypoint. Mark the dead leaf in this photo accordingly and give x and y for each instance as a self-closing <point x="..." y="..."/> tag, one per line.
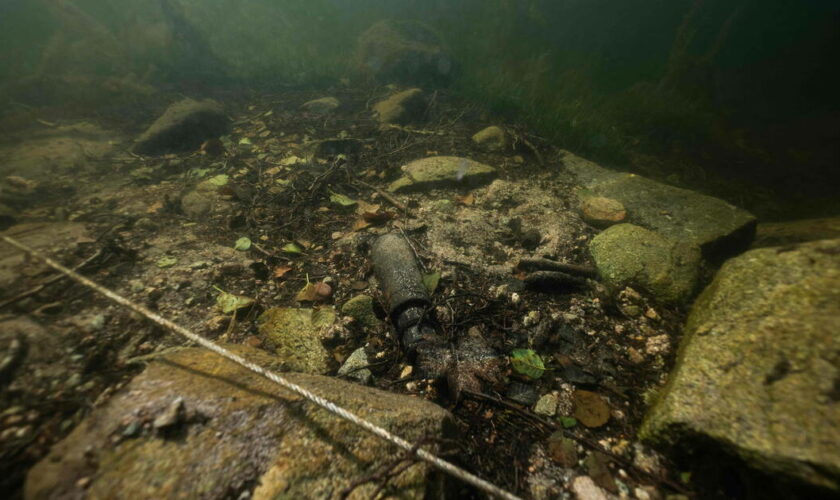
<point x="590" y="408"/>
<point x="364" y="206"/>
<point x="155" y="207"/>
<point x="281" y="271"/>
<point x="361" y="224"/>
<point x="378" y="217"/>
<point x="467" y="199"/>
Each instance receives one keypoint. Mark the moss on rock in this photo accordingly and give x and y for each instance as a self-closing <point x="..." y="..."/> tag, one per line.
<point x="629" y="255"/>
<point x="296" y="335"/>
<point x="758" y="370"/>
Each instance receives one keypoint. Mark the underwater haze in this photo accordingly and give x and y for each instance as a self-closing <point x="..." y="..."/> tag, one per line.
<point x="580" y="249"/>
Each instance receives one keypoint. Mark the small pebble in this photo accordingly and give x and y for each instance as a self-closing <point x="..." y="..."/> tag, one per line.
<point x="546" y="405"/>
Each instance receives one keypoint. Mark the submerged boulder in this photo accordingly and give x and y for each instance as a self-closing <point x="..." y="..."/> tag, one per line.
<point x="758" y="371"/>
<point x="405" y="52"/>
<point x="629" y="255"/>
<point x="442" y="171"/>
<point x="223" y="431"/>
<point x="183" y="127"/>
<point x="718" y="228"/>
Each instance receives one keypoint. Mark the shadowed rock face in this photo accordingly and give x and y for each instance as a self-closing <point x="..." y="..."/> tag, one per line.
<point x="404" y="52"/>
<point x="183" y="127"/>
<point x="720" y="230"/>
<point x="232" y="431"/>
<point x="758" y="372"/>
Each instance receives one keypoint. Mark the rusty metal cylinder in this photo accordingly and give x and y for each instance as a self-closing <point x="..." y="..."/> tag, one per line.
<point x="399" y="277"/>
<point x="406" y="296"/>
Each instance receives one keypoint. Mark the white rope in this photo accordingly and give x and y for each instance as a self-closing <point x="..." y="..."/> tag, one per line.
<point x="383" y="433"/>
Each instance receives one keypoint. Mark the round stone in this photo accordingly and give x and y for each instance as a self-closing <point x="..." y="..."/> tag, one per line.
<point x="602" y="212"/>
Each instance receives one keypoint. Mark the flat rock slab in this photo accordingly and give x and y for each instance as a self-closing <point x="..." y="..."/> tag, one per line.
<point x="442" y="171"/>
<point x="796" y="231"/>
<point x="184" y="126"/>
<point x="62" y="149"/>
<point x="229" y="431"/>
<point x="758" y="370"/>
<point x="47" y="237"/>
<point x="718" y="228"/>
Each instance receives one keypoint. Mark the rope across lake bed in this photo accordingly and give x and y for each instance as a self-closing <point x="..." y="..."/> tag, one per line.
<point x="383" y="433"/>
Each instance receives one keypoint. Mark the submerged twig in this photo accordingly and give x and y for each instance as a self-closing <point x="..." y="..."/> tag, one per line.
<point x="540" y="264"/>
<point x="387" y="196"/>
<point x="588" y="443"/>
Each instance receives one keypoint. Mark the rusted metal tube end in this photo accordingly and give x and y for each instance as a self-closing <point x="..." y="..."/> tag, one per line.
<point x="408" y="302"/>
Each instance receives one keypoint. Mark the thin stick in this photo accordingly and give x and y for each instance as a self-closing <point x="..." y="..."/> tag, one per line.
<point x="540" y="264"/>
<point x="386" y="195"/>
<point x="381" y="432"/>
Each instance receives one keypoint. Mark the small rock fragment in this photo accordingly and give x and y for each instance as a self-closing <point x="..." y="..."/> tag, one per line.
<point x="172" y="415"/>
<point x="546" y="405"/>
<point x="602" y="212"/>
<point x="354" y="366"/>
<point x="584" y="488"/>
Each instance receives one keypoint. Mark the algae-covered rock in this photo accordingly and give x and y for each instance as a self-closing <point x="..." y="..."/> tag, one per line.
<point x="401" y="108"/>
<point x="183" y="127"/>
<point x="360" y="308"/>
<point x="236" y="432"/>
<point x="718" y="228"/>
<point x="442" y="171"/>
<point x="758" y="371"/>
<point x="602" y="212"/>
<point x="321" y="106"/>
<point x="205" y="198"/>
<point x="405" y="52"/>
<point x="296" y="335"/>
<point x="355" y="366"/>
<point x="629" y="255"/>
<point x="493" y="138"/>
